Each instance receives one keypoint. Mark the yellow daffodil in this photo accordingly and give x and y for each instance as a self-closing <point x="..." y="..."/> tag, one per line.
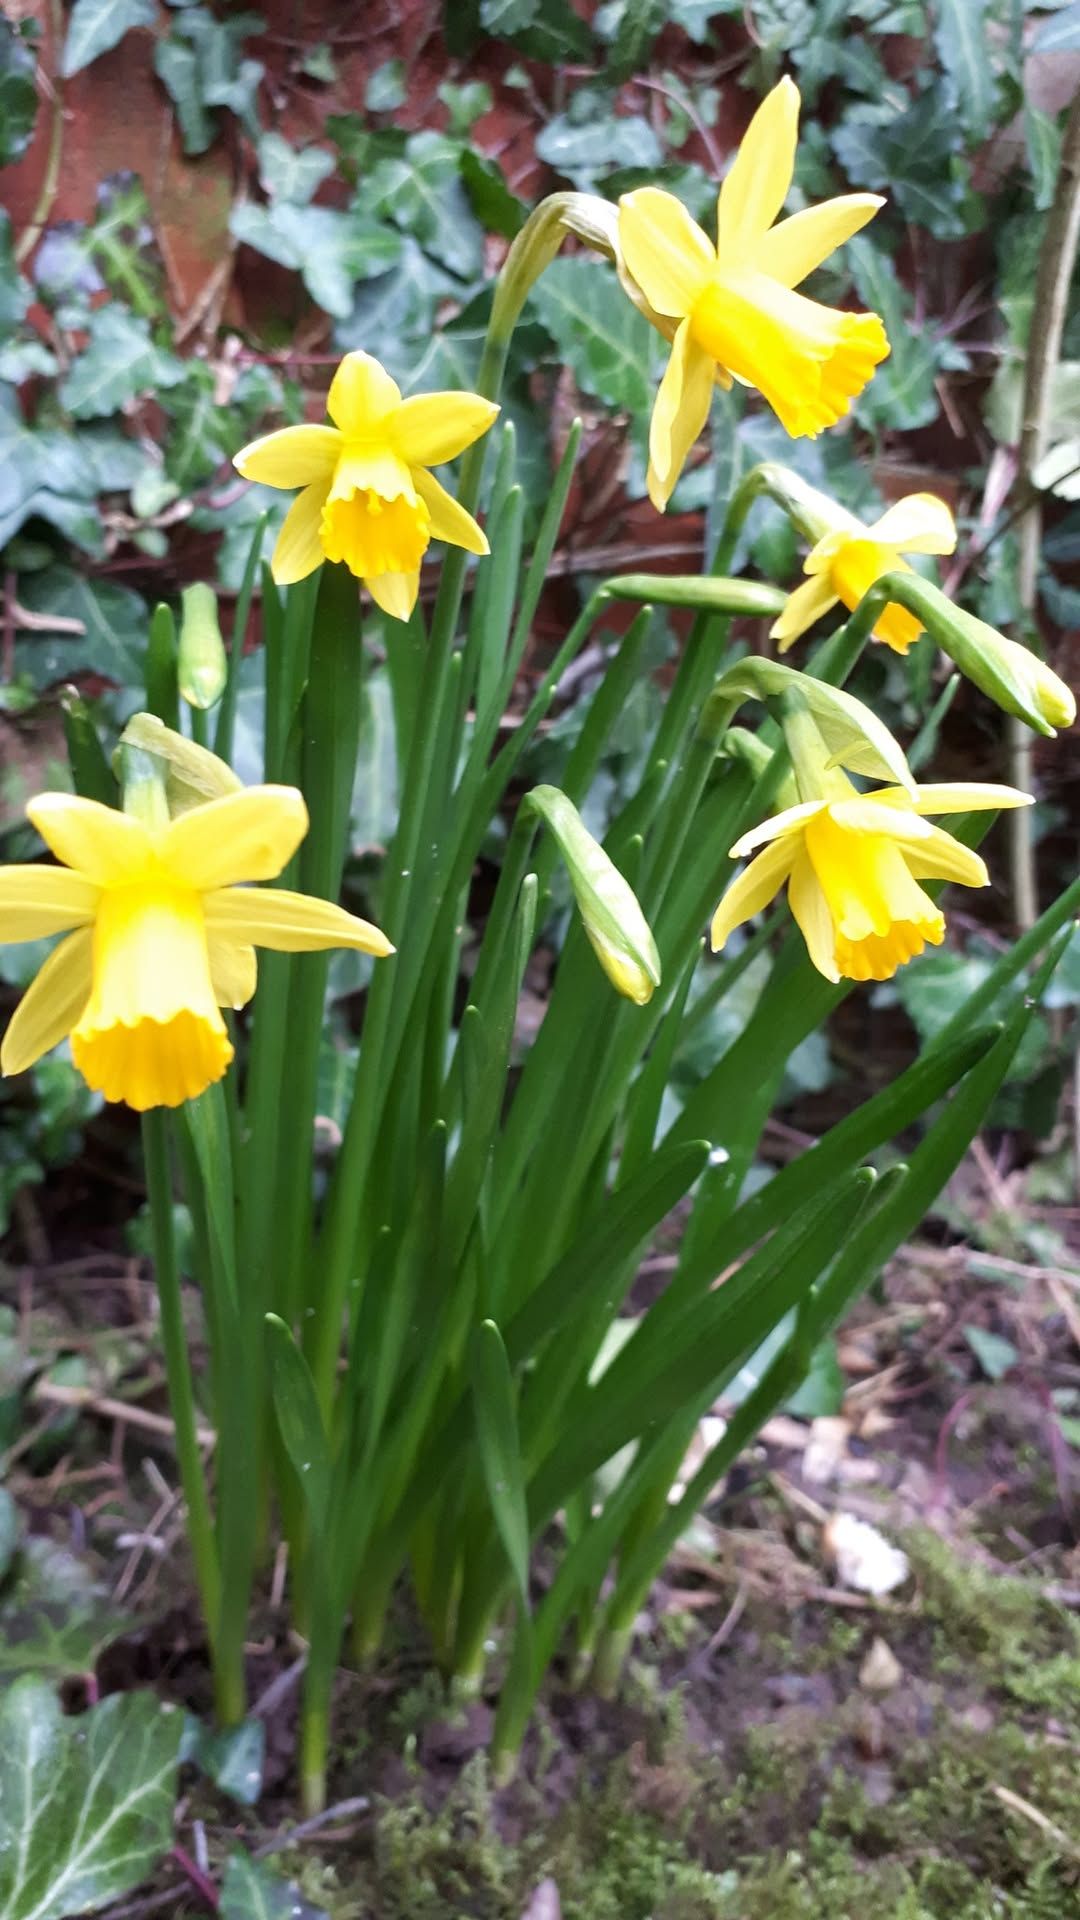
<point x="159" y="938"/>
<point x="853" y="866"/>
<point x="731" y="310"/>
<point x="847" y="560"/>
<point x="368" y="498"/>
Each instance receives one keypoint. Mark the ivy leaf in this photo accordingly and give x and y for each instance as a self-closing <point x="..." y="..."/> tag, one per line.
<point x="119" y="361"/>
<point x="14" y="291"/>
<point x="97" y="25"/>
<point x="251" y="1890"/>
<point x="18" y="94"/>
<point x="112" y="645"/>
<point x="584" y="145"/>
<point x="1042" y="138"/>
<point x="398" y="310"/>
<point x="496" y="208"/>
<point x="422" y="192"/>
<point x="177" y="67"/>
<point x="330" y="250"/>
<point x="914" y="154"/>
<point x="120" y="240"/>
<point x="608" y="345"/>
<point x="1061" y="34"/>
<point x="961" y="34"/>
<point x="86" y="1803"/>
<point x="542" y="29"/>
<point x="232" y="1757"/>
<point x="902" y="393"/>
<point x="385" y="91"/>
<point x="292" y="174"/>
<point x="55" y="1617"/>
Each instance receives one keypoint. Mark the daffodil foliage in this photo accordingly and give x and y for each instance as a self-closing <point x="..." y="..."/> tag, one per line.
<point x="418" y="1297"/>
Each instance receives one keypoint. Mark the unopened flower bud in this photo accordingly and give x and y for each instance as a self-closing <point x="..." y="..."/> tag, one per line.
<point x="618" y="930"/>
<point x="202" y="665"/>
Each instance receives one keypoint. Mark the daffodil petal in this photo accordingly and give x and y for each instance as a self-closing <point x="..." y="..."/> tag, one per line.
<point x="292" y="457"/>
<point x="288" y="922"/>
<point x="679" y="414"/>
<point x="361" y="394"/>
<point x="810" y="911"/>
<point x="449" y="521"/>
<point x="790" y="820"/>
<point x="756" y="185"/>
<point x="395" y="593"/>
<point x="752" y="889"/>
<point x="955" y="796"/>
<point x="940" y="857"/>
<point x="791" y="250"/>
<point x="801" y="609"/>
<point x="920" y="523"/>
<point x="51" y="1004"/>
<point x="249" y="835"/>
<point x="233" y="972"/>
<point x="299" y="548"/>
<point x="865" y="814"/>
<point x="429" y="428"/>
<point x="107" y="846"/>
<point x="665" y="251"/>
<point x="37" y="901"/>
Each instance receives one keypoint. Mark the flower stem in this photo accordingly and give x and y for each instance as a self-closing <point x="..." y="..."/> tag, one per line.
<point x="178" y="1372"/>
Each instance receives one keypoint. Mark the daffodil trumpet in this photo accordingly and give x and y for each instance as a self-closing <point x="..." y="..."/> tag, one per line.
<point x="160" y="932"/>
<point x="850" y="558"/>
<point x="368" y="497"/>
<point x="731" y="310"/>
<point x="852" y="864"/>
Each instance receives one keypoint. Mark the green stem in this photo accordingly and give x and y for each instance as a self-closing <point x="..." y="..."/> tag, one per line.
<point x="228" y="1687"/>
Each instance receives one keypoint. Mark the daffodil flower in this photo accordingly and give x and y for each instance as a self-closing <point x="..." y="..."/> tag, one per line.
<point x="368" y="498"/>
<point x="853" y="866"/>
<point x="731" y="310"/>
<point x="159" y="938"/>
<point x="846" y="562"/>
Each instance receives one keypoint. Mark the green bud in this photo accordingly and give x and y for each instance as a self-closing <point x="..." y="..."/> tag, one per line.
<point x="703" y="592"/>
<point x="191" y="774"/>
<point x="1014" y="677"/>
<point x="620" y="934"/>
<point x="852" y="736"/>
<point x="814" y="513"/>
<point x="591" y="219"/>
<point x="203" y="666"/>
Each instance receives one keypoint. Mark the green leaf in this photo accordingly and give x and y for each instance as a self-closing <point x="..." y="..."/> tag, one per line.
<point x="232" y="1757"/>
<point x="385" y="90"/>
<point x="177" y="67"/>
<point x="500" y="1448"/>
<point x="1042" y="138"/>
<point x="18" y="94"/>
<point x="250" y="1890"/>
<point x="995" y="1355"/>
<point x="330" y="249"/>
<point x="1061" y="34"/>
<point x="86" y="1802"/>
<point x="97" y="25"/>
<point x="586" y="149"/>
<point x="962" y="38"/>
<point x="290" y="173"/>
<point x="914" y="153"/>
<point x="608" y="345"/>
<point x="546" y="30"/>
<point x="902" y="393"/>
<point x="297" y="1408"/>
<point x="114" y="620"/>
<point x="423" y="193"/>
<point x="497" y="209"/>
<point x="119" y="361"/>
